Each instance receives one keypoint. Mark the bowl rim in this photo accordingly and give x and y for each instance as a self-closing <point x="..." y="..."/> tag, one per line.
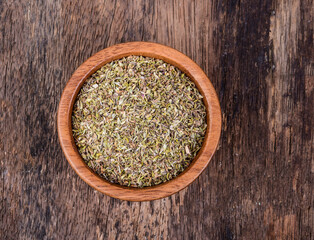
<point x="148" y="49"/>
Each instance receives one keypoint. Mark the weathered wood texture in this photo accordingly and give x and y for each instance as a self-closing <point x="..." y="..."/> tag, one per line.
<point x="259" y="56"/>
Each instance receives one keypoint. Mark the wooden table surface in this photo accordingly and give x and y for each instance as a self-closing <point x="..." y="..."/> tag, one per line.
<point x="259" y="57"/>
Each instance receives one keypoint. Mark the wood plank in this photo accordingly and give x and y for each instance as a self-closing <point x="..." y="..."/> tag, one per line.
<point x="259" y="56"/>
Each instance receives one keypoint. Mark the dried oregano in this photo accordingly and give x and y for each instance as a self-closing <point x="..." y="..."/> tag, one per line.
<point x="138" y="121"/>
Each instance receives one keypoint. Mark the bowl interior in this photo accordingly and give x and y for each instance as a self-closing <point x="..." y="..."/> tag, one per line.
<point x="186" y="72"/>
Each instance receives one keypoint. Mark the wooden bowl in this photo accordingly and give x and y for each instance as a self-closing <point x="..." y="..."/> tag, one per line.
<point x="171" y="56"/>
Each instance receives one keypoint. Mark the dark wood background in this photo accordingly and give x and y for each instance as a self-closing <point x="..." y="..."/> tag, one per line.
<point x="259" y="57"/>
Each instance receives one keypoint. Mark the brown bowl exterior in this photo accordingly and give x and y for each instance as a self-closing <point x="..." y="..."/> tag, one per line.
<point x="147" y="49"/>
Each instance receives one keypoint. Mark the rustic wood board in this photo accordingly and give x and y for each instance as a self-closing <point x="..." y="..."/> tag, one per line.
<point x="259" y="57"/>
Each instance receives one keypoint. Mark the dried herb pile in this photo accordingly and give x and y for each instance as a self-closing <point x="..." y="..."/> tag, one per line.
<point x="138" y="121"/>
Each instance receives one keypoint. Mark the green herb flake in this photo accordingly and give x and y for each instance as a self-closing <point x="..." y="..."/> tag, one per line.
<point x="138" y="121"/>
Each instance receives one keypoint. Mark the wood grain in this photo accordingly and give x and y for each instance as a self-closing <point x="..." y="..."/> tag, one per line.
<point x="259" y="57"/>
<point x="168" y="55"/>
